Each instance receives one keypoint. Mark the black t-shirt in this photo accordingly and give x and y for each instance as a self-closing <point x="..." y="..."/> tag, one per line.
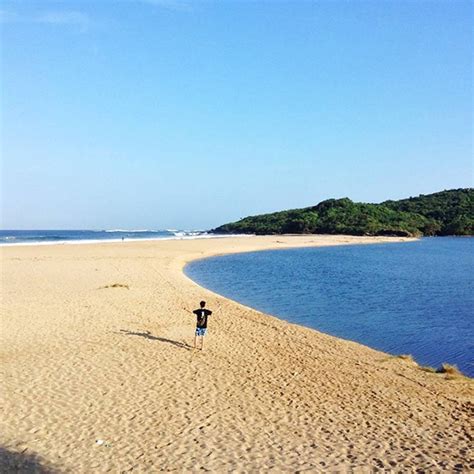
<point x="202" y="314"/>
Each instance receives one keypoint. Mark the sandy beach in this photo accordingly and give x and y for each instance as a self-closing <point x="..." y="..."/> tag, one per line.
<point x="98" y="374"/>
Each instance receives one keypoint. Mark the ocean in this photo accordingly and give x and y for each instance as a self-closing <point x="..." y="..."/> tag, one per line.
<point x="24" y="237"/>
<point x="409" y="298"/>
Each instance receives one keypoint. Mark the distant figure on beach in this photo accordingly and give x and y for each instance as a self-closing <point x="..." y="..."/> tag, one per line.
<point x="201" y="323"/>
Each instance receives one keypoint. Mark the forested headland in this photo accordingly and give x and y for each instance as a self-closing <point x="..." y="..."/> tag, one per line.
<point x="448" y="212"/>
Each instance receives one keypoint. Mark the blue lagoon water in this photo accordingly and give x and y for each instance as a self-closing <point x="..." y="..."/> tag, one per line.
<point x="409" y="298"/>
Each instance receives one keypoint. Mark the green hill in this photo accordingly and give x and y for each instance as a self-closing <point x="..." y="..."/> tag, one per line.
<point x="444" y="213"/>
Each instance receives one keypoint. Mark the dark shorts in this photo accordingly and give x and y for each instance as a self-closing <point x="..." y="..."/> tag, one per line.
<point x="201" y="331"/>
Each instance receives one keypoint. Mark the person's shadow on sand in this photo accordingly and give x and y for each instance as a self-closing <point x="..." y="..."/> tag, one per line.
<point x="148" y="335"/>
<point x="22" y="462"/>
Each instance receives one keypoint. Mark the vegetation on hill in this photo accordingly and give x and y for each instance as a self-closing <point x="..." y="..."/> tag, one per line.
<point x="444" y="213"/>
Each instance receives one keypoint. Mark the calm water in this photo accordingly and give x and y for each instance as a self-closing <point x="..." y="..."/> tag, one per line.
<point x="412" y="298"/>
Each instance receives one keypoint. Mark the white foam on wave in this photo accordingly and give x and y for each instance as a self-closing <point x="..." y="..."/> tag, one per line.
<point x="176" y="232"/>
<point x="131" y="230"/>
<point x="106" y="241"/>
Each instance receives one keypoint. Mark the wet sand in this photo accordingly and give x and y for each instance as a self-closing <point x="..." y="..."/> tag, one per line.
<point x="103" y="378"/>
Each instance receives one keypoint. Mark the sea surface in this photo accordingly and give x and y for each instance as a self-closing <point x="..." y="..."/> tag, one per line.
<point x="409" y="298"/>
<point x="24" y="237"/>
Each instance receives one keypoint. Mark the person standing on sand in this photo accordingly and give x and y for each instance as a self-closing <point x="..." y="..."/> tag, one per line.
<point x="201" y="323"/>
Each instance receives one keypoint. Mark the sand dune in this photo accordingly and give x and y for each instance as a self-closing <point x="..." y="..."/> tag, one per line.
<point x="98" y="375"/>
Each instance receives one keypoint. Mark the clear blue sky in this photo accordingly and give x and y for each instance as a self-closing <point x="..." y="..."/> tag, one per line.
<point x="155" y="113"/>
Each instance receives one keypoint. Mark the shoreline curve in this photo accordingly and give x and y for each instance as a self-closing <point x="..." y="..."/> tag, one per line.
<point x="96" y="345"/>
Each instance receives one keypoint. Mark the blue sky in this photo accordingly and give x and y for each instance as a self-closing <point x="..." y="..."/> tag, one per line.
<point x="155" y="113"/>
